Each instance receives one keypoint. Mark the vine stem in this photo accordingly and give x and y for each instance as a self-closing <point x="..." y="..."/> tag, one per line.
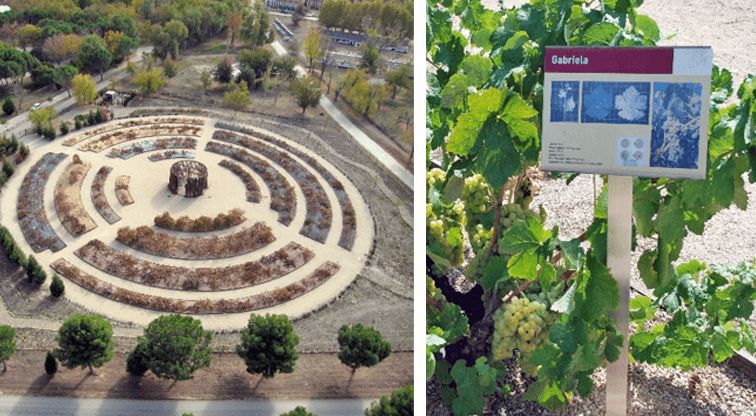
<point x="497" y="221"/>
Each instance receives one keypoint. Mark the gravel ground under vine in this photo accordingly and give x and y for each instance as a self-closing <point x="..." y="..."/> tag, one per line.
<point x="730" y="237"/>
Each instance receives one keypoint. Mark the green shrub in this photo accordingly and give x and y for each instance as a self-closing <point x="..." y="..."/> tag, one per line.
<point x="8" y="106"/>
<point x="17" y="256"/>
<point x="57" y="288"/>
<point x="91" y="118"/>
<point x="136" y="362"/>
<point x="51" y="364"/>
<point x="49" y="133"/>
<point x="13" y="146"/>
<point x="8" y="168"/>
<point x="64" y="128"/>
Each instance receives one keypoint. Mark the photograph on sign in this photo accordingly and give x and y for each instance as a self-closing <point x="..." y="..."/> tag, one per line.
<point x="626" y="111"/>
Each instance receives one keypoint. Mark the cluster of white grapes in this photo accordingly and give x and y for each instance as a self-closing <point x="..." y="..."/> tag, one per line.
<point x="509" y="214"/>
<point x="522" y="324"/>
<point x="477" y="196"/>
<point x="438" y="225"/>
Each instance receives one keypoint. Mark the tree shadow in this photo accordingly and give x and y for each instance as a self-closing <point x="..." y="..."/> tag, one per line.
<point x="133" y="387"/>
<point x="239" y="387"/>
<point x="333" y="391"/>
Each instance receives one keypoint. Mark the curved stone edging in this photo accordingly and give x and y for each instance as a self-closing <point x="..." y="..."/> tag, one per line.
<point x="317" y="223"/>
<point x="68" y="201"/>
<point x="122" y="136"/>
<point x="163" y="244"/>
<point x="30" y="209"/>
<point x="253" y="190"/>
<point x="98" y="196"/>
<point x="122" y="190"/>
<point x="202" y="279"/>
<point x="282" y="198"/>
<point x="134" y="149"/>
<point x="128" y="124"/>
<point x="348" y="219"/>
<point x="249" y="303"/>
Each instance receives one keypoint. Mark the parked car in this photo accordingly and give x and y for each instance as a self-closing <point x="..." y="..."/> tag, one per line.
<point x="36" y="106"/>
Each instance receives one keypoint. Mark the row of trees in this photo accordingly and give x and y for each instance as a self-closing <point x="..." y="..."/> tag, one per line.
<point x="390" y="19"/>
<point x="173" y="347"/>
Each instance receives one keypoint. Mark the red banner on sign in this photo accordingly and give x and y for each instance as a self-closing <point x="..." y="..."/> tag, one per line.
<point x="609" y="60"/>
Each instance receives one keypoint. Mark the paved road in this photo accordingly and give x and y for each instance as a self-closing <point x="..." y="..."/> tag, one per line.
<point x="60" y="406"/>
<point x="366" y="142"/>
<point x="62" y="101"/>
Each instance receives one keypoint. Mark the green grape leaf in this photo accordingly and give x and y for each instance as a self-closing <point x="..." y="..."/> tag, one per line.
<point x="523" y="235"/>
<point x="724" y="342"/>
<point x="693" y="268"/>
<point x="644" y="211"/>
<point x="430" y="366"/>
<point x="642" y="344"/>
<point x="565" y="303"/>
<point x="585" y="384"/>
<point x="682" y="346"/>
<point x="523" y="265"/>
<point x="602" y="203"/>
<point x="670" y="222"/>
<point x="572" y="253"/>
<point x="641" y="309"/>
<point x="548" y="273"/>
<point x="597" y="290"/>
<point x="494" y="272"/>
<point x="721" y="182"/>
<point x="454" y="235"/>
<point x="600" y="34"/>
<point x="478" y="69"/>
<point x="746" y="337"/>
<point x="437" y="255"/>
<point x="721" y="82"/>
<point x="481" y="37"/>
<point x="487" y="375"/>
<point x="454" y="186"/>
<point x="586" y="358"/>
<point x="515" y="114"/>
<point x="453" y="94"/>
<point x="433" y="341"/>
<point x="648" y="26"/>
<point x="443" y="372"/>
<point x="510" y="54"/>
<point x="564" y="338"/>
<point x="450" y="54"/>
<point x="470" y="400"/>
<point x="497" y="159"/>
<point x="596" y="235"/>
<point x="532" y="21"/>
<point x="453" y="323"/>
<point x="438" y="25"/>
<point x="469" y="125"/>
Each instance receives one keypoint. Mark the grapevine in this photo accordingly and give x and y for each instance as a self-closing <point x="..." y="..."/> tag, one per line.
<point x="545" y="299"/>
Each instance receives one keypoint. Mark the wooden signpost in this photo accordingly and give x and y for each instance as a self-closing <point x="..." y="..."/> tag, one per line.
<point x="625" y="112"/>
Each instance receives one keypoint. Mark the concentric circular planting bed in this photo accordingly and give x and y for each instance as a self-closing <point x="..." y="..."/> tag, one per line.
<point x="308" y="231"/>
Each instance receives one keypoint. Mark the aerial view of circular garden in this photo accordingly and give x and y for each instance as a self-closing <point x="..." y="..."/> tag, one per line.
<point x="176" y="214"/>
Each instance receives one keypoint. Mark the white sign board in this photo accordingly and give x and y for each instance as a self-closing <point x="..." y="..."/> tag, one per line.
<point x="627" y="111"/>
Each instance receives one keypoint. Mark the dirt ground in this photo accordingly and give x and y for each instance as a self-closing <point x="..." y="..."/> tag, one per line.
<point x="316" y="376"/>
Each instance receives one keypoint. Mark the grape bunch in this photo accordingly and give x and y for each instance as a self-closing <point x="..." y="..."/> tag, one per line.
<point x="522" y="324"/>
<point x="439" y="229"/>
<point x="477" y="196"/>
<point x="434" y="178"/>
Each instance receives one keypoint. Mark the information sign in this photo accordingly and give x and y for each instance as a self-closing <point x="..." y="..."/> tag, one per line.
<point x="627" y="111"/>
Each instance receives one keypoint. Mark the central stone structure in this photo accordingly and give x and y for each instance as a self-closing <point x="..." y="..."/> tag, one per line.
<point x="188" y="178"/>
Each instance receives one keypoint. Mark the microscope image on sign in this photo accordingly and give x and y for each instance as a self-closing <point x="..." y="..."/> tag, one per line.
<point x="632" y="151"/>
